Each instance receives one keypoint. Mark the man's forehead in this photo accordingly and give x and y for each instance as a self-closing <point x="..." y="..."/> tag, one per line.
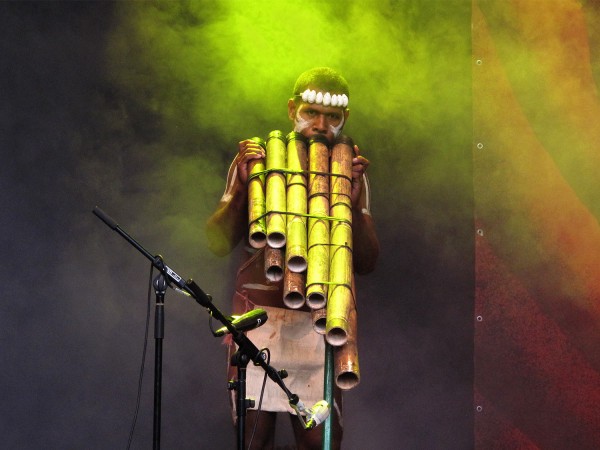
<point x="325" y="109"/>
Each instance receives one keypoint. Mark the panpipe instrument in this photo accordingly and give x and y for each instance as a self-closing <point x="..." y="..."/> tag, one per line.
<point x="300" y="212"/>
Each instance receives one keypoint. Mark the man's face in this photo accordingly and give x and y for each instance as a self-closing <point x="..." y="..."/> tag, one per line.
<point x="311" y="119"/>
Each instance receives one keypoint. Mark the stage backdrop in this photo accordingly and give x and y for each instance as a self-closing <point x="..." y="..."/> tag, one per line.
<point x="138" y="107"/>
<point x="536" y="155"/>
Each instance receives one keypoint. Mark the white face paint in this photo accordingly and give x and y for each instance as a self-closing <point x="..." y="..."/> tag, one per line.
<point x="301" y="124"/>
<point x="337" y="130"/>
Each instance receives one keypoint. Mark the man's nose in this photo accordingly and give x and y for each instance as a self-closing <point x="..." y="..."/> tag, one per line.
<point x="321" y="122"/>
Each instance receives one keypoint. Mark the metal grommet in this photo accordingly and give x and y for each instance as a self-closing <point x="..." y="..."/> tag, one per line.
<point x="479" y="318"/>
<point x="479" y="62"/>
<point x="480" y="231"/>
<point x="479" y="145"/>
<point x="479" y="408"/>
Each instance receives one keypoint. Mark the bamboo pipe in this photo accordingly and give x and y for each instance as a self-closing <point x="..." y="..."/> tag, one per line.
<point x="346" y="367"/>
<point x="294" y="288"/>
<point x="273" y="264"/>
<point x="340" y="296"/>
<point x="275" y="196"/>
<point x="317" y="274"/>
<point x="296" y="200"/>
<point x="319" y="319"/>
<point x="257" y="230"/>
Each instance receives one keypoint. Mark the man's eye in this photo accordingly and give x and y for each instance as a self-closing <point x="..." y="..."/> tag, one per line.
<point x="333" y="116"/>
<point x="311" y="112"/>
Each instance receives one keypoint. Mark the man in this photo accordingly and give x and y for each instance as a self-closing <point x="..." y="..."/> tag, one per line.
<point x="319" y="106"/>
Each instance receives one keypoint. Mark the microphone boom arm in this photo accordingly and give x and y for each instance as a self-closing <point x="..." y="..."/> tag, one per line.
<point x="190" y="288"/>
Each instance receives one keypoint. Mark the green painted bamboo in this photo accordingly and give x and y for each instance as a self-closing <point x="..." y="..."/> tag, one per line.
<point x="318" y="226"/>
<point x="257" y="230"/>
<point x="275" y="196"/>
<point x="296" y="199"/>
<point x="340" y="296"/>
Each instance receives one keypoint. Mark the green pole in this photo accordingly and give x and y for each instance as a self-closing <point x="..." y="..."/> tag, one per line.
<point x="328" y="394"/>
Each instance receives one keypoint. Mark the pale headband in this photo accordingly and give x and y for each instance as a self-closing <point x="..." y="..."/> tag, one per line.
<point x="326" y="99"/>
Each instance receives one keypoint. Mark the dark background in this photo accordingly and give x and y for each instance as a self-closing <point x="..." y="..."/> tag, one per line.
<point x="74" y="305"/>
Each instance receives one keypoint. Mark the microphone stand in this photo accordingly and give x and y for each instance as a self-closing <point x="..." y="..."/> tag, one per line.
<point x="190" y="288"/>
<point x="242" y="403"/>
<point x="160" y="287"/>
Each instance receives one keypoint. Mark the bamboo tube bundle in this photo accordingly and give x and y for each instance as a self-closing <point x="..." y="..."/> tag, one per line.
<point x="275" y="190"/>
<point x="257" y="230"/>
<point x="274" y="265"/>
<point x="346" y="367"/>
<point x="340" y="297"/>
<point x="296" y="200"/>
<point x="317" y="274"/>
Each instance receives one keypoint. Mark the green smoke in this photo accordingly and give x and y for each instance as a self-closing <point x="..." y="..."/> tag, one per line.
<point x="210" y="73"/>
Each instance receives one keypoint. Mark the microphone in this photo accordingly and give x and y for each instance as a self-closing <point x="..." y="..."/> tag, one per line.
<point x="317" y="414"/>
<point x="249" y="321"/>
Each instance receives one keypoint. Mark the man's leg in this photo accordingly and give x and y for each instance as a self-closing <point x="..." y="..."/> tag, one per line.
<point x="264" y="436"/>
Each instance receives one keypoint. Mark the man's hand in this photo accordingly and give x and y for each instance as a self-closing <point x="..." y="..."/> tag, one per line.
<point x="248" y="151"/>
<point x="359" y="167"/>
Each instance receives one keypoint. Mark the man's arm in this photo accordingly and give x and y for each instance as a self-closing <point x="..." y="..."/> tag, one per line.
<point x="226" y="227"/>
<point x="364" y="237"/>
